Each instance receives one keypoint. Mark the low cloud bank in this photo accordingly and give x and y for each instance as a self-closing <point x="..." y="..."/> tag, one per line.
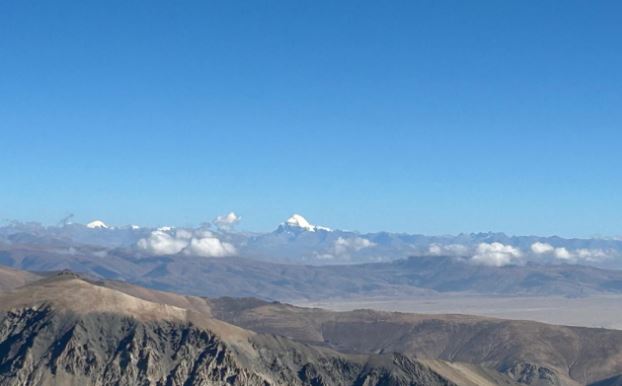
<point x="490" y="254"/>
<point x="562" y="253"/>
<point x="344" y="247"/>
<point x="209" y="247"/>
<point x="355" y="244"/>
<point x="197" y="243"/>
<point x="496" y="254"/>
<point x="162" y="243"/>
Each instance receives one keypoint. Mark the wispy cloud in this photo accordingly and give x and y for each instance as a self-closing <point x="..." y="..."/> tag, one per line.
<point x="448" y="250"/>
<point x="344" y="247"/>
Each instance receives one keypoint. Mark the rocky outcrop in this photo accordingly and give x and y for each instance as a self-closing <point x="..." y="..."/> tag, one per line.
<point x="531" y="374"/>
<point x="44" y="345"/>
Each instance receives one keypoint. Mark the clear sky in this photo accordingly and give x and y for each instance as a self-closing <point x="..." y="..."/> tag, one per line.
<point x="415" y="116"/>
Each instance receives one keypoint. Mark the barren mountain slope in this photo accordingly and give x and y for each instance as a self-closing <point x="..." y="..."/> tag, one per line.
<point x="519" y="348"/>
<point x="12" y="278"/>
<point x="528" y="351"/>
<point x="68" y="331"/>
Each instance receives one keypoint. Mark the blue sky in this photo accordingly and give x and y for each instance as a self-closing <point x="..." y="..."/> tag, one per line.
<point x="415" y="116"/>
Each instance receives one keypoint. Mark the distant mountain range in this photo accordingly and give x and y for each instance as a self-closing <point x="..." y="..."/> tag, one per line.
<point x="301" y="261"/>
<point x="296" y="240"/>
<point x="234" y="276"/>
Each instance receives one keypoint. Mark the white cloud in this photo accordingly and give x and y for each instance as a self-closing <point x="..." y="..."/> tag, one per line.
<point x="495" y="254"/>
<point x="562" y="253"/>
<point x="202" y="233"/>
<point x="541" y="248"/>
<point x="183" y="234"/>
<point x="210" y="247"/>
<point x="592" y="254"/>
<point x="227" y="221"/>
<point x="448" y="250"/>
<point x="344" y="247"/>
<point x="162" y="243"/>
<point x="199" y="243"/>
<point x="582" y="254"/>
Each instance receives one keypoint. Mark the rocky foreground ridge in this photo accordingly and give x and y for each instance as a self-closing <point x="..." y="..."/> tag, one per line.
<point x="65" y="330"/>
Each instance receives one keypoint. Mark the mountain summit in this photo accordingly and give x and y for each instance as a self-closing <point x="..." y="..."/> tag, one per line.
<point x="97" y="224"/>
<point x="298" y="222"/>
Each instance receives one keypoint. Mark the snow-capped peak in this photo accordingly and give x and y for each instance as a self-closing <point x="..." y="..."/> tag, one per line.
<point x="97" y="224"/>
<point x="297" y="221"/>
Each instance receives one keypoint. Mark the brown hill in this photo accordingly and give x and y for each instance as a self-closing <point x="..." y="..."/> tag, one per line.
<point x="12" y="278"/>
<point x="65" y="330"/>
<point x="528" y="351"/>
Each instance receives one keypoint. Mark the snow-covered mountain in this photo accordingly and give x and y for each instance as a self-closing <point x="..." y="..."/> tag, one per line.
<point x="97" y="224"/>
<point x="297" y="223"/>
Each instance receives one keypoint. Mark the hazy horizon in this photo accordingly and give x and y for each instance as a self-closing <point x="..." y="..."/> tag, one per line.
<point x="240" y="227"/>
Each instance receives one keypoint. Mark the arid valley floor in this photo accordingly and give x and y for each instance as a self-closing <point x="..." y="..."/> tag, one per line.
<point x="592" y="311"/>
